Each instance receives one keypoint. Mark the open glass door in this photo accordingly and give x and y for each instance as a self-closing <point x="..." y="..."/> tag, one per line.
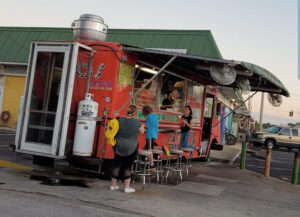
<point x="44" y="114"/>
<point x="44" y="100"/>
<point x="45" y="111"/>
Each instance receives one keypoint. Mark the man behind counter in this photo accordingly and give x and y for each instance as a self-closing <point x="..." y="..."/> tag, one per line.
<point x="167" y="102"/>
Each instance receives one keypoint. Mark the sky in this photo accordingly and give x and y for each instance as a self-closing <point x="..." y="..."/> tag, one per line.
<point x="263" y="32"/>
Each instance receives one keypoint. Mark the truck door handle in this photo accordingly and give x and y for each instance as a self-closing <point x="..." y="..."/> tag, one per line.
<point x="290" y="137"/>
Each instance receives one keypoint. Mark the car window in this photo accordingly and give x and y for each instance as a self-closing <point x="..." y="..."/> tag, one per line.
<point x="285" y="132"/>
<point x="295" y="132"/>
<point x="273" y="129"/>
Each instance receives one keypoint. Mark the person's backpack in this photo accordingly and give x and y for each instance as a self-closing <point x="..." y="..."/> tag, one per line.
<point x="111" y="131"/>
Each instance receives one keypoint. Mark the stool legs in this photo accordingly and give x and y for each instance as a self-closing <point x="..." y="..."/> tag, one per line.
<point x="134" y="170"/>
<point x="175" y="168"/>
<point x="141" y="167"/>
<point x="159" y="169"/>
<point x="179" y="173"/>
<point x="167" y="168"/>
<point x="189" y="163"/>
<point x="144" y="170"/>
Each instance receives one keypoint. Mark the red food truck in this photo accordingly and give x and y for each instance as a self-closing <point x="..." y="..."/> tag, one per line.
<point x="74" y="88"/>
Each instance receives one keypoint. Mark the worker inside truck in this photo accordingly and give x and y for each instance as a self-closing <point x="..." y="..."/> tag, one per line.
<point x="166" y="92"/>
<point x="168" y="102"/>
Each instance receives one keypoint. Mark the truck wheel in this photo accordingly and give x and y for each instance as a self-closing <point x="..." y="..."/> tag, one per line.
<point x="270" y="144"/>
<point x="231" y="140"/>
<point x="207" y="158"/>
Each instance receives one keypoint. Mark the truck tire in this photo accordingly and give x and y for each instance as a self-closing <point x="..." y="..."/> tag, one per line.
<point x="230" y="139"/>
<point x="207" y="158"/>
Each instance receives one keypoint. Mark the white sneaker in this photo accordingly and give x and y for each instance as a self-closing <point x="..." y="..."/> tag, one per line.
<point x="113" y="188"/>
<point x="129" y="190"/>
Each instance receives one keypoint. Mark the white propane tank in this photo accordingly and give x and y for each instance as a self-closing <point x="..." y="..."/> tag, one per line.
<point x="85" y="126"/>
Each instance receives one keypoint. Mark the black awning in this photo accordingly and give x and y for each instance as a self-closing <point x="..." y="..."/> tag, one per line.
<point x="197" y="69"/>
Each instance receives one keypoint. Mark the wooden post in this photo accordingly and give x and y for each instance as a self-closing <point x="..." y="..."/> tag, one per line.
<point x="243" y="156"/>
<point x="296" y="168"/>
<point x="268" y="162"/>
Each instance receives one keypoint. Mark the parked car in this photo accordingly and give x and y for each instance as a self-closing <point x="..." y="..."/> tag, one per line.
<point x="277" y="136"/>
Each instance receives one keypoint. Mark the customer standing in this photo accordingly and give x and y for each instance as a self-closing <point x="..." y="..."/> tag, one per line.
<point x="187" y="120"/>
<point x="126" y="148"/>
<point x="152" y="130"/>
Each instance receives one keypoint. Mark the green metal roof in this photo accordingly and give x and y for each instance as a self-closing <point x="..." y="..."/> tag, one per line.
<point x="197" y="42"/>
<point x="15" y="41"/>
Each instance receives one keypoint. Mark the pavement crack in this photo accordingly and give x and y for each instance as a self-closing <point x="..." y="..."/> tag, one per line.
<point x="93" y="204"/>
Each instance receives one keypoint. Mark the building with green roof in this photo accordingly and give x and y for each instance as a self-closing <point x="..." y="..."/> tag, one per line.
<point x="15" y="47"/>
<point x="15" y="41"/>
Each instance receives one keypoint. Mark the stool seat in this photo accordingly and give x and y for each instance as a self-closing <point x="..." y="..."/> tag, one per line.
<point x="186" y="149"/>
<point x="157" y="151"/>
<point x="176" y="151"/>
<point x="144" y="152"/>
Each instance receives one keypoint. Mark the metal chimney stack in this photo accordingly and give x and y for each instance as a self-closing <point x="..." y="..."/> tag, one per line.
<point x="89" y="27"/>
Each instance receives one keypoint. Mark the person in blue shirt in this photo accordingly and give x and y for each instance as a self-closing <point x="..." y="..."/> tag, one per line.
<point x="152" y="130"/>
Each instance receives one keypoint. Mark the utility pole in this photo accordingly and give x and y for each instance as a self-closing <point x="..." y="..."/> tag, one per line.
<point x="261" y="111"/>
<point x="250" y="107"/>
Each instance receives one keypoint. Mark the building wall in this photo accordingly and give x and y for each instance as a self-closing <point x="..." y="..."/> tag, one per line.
<point x="13" y="90"/>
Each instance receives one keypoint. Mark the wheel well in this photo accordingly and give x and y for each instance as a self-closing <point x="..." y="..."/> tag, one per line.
<point x="270" y="139"/>
<point x="214" y="141"/>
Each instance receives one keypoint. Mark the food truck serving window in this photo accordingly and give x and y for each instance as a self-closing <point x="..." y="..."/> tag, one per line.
<point x="173" y="90"/>
<point x="182" y="93"/>
<point x="159" y="89"/>
<point x="148" y="95"/>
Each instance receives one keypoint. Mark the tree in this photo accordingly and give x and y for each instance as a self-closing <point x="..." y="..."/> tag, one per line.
<point x="264" y="125"/>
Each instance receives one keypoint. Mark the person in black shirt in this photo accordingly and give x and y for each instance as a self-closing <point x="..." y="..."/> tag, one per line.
<point x="167" y="102"/>
<point x="186" y="128"/>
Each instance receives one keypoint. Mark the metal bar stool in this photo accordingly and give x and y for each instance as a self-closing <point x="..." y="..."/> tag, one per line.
<point x="135" y="168"/>
<point x="167" y="167"/>
<point x="188" y="156"/>
<point x="177" y="166"/>
<point x="144" y="166"/>
<point x="157" y="157"/>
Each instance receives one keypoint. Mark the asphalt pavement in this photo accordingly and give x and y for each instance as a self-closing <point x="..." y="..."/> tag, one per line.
<point x="214" y="189"/>
<point x="282" y="163"/>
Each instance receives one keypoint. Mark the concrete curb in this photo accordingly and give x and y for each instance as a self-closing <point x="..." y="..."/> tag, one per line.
<point x="225" y="161"/>
<point x="235" y="157"/>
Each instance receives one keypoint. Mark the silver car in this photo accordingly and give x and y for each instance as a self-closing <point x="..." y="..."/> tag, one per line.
<point x="275" y="136"/>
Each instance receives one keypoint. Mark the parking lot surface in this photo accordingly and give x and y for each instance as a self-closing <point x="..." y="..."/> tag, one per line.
<point x="214" y="189"/>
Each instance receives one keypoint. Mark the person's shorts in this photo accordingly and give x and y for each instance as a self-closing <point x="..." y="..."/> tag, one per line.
<point x="124" y="161"/>
<point x="150" y="143"/>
